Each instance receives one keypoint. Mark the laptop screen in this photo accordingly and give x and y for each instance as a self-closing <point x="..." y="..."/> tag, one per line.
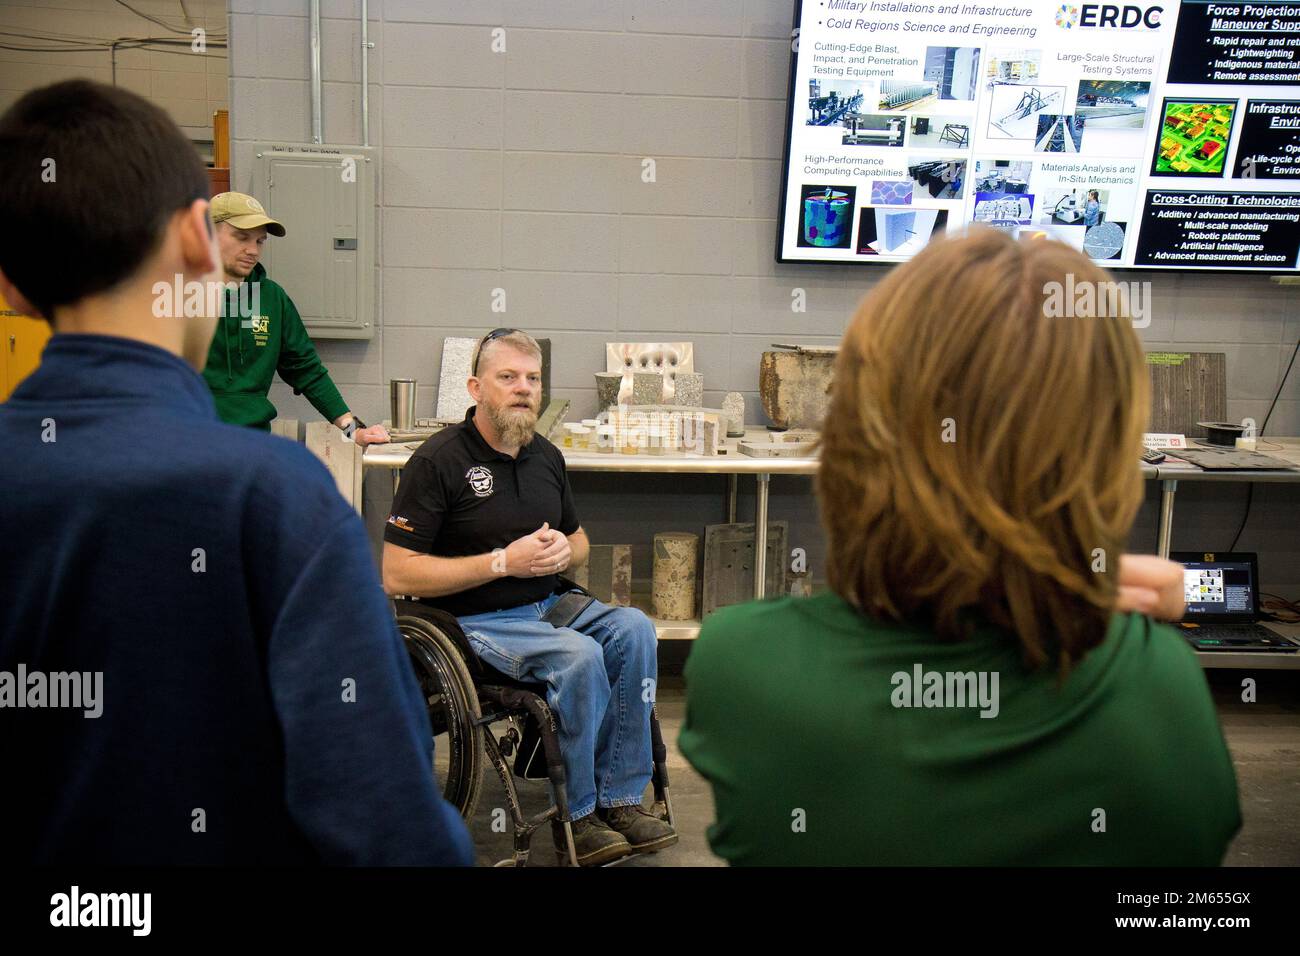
<point x="1219" y="588"/>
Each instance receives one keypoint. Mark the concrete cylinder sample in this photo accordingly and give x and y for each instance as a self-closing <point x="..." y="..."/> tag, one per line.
<point x="733" y="407"/>
<point x="675" y="563"/>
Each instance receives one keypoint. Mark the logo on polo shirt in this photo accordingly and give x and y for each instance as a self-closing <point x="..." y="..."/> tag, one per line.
<point x="480" y="479"/>
<point x="398" y="521"/>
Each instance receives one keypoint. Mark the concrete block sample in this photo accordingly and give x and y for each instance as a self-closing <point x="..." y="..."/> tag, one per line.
<point x="714" y="432"/>
<point x="776" y="449"/>
<point x="806" y="435"/>
<point x="607" y="387"/>
<point x="609" y="574"/>
<point x="795" y="385"/>
<point x="342" y="456"/>
<point x="729" y="563"/>
<point x="676" y="560"/>
<point x="453" y="396"/>
<point x="647" y="388"/>
<point x="688" y="388"/>
<point x="620" y="589"/>
<point x="664" y="358"/>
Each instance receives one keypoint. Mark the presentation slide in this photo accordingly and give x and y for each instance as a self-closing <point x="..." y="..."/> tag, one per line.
<point x="1155" y="136"/>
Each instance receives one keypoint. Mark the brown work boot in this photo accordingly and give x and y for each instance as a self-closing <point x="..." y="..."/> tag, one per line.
<point x="644" y="830"/>
<point x="595" y="843"/>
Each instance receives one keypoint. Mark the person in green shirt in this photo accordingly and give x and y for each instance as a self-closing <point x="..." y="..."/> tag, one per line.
<point x="984" y="683"/>
<point x="260" y="332"/>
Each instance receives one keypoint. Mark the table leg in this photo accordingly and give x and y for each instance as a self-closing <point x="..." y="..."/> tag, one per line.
<point x="1167" y="488"/>
<point x="760" y="537"/>
<point x="731" y="498"/>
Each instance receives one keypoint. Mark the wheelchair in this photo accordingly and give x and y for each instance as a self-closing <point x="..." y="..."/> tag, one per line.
<point x="466" y="697"/>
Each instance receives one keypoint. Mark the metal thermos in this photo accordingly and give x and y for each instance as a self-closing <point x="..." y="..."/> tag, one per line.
<point x="403" y="398"/>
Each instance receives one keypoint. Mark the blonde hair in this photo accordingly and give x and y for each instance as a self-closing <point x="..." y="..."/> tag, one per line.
<point x="978" y="452"/>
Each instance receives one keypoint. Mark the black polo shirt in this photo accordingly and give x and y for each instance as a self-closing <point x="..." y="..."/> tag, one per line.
<point x="460" y="496"/>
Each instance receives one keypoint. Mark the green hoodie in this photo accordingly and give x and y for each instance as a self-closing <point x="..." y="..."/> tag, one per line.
<point x="813" y="725"/>
<point x="246" y="353"/>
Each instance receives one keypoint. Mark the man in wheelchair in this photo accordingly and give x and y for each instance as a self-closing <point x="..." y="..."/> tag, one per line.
<point x="482" y="525"/>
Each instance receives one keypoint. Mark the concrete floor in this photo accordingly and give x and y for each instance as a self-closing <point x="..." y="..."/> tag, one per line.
<point x="691" y="796"/>
<point x="1263" y="737"/>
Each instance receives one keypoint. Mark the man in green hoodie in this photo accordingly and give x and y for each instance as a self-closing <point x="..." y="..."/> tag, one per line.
<point x="260" y="332"/>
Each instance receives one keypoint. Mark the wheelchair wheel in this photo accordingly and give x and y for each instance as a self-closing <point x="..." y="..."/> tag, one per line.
<point x="459" y="752"/>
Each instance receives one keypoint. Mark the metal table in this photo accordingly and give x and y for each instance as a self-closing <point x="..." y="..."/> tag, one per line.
<point x="1170" y="474"/>
<point x="732" y="464"/>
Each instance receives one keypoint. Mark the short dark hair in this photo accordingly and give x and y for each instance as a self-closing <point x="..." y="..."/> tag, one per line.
<point x="98" y="170"/>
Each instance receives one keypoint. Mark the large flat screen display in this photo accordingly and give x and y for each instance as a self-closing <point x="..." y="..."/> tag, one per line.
<point x="1159" y="135"/>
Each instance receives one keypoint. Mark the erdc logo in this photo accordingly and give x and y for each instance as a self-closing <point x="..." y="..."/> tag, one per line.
<point x="480" y="480"/>
<point x="1108" y="15"/>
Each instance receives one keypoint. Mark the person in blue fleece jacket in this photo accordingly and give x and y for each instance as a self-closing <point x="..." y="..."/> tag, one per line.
<point x="197" y="661"/>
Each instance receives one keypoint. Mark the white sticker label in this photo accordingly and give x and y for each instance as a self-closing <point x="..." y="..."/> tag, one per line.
<point x="1164" y="440"/>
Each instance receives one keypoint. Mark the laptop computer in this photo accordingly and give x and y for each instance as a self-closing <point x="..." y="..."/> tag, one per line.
<point x="1222" y="593"/>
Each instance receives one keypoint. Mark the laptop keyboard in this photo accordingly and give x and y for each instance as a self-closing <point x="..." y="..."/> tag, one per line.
<point x="1234" y="637"/>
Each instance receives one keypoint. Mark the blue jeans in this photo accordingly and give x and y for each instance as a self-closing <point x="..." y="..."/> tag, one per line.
<point x="600" y="674"/>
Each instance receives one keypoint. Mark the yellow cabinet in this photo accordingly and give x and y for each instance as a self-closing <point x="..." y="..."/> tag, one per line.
<point x="22" y="340"/>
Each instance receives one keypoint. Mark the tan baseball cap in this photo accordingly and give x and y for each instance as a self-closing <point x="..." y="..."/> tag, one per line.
<point x="243" y="212"/>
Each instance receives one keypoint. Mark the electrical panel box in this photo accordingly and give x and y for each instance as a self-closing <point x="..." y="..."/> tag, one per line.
<point x="325" y="196"/>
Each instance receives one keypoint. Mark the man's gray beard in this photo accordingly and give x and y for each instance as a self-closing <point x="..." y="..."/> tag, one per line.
<point x="512" y="428"/>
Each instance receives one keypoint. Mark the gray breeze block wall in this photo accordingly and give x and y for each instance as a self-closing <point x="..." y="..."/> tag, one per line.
<point x="522" y="170"/>
<point x="189" y="87"/>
